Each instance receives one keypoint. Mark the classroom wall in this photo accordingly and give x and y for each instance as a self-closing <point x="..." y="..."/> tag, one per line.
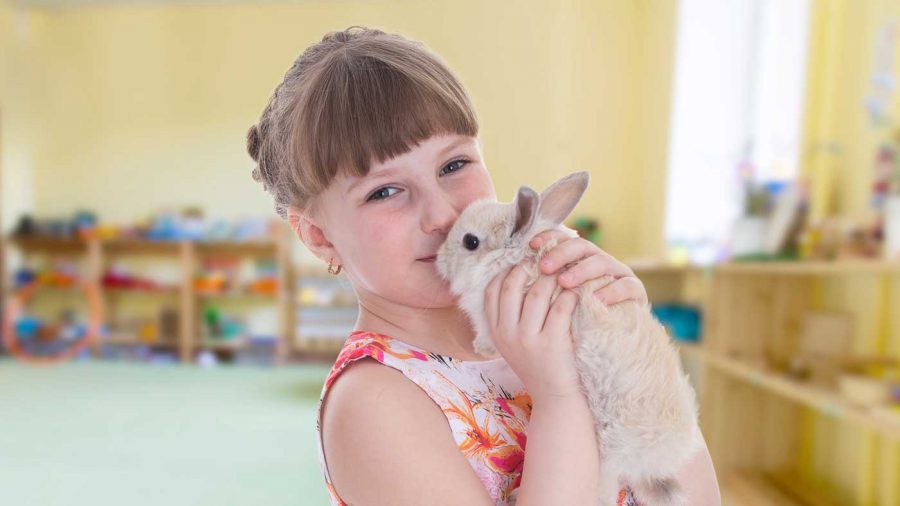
<point x="135" y="106"/>
<point x="15" y="167"/>
<point x="840" y="138"/>
<point x="841" y="145"/>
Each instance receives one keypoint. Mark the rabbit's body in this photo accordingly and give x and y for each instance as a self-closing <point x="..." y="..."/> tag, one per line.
<point x="643" y="405"/>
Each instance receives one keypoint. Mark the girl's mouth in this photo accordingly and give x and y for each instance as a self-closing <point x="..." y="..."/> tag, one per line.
<point x="428" y="259"/>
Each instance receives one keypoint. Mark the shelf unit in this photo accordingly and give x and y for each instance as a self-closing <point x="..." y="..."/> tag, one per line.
<point x="765" y="429"/>
<point x="98" y="252"/>
<point x="322" y="325"/>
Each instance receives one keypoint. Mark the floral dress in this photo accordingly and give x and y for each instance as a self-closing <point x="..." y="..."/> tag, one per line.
<point x="484" y="402"/>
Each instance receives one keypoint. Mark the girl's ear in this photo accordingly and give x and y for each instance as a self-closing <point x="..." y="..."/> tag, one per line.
<point x="524" y="210"/>
<point x="312" y="235"/>
<point x="561" y="197"/>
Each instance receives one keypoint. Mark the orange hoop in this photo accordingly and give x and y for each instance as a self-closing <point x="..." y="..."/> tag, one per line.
<point x="95" y="318"/>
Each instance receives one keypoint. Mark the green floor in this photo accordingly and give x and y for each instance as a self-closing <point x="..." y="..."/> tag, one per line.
<point x="106" y="433"/>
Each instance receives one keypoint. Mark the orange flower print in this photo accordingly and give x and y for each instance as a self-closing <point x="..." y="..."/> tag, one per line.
<point x="366" y="344"/>
<point x="479" y="441"/>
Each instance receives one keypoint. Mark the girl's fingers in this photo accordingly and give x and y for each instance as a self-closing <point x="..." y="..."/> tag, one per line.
<point x="578" y="249"/>
<point x="559" y="318"/>
<point x="627" y="288"/>
<point x="537" y="302"/>
<point x="565" y="252"/>
<point x="509" y="306"/>
<point x="546" y="235"/>
<point x="592" y="267"/>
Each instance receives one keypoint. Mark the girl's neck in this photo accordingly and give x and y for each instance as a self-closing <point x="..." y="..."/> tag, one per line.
<point x="445" y="330"/>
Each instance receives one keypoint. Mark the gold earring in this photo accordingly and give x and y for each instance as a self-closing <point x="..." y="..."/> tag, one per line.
<point x="330" y="267"/>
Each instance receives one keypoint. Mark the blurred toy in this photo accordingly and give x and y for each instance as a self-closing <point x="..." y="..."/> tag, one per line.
<point x="84" y="222"/>
<point x="219" y="230"/>
<point x="148" y="332"/>
<point x="255" y="229"/>
<point x="14" y="320"/>
<point x="891" y="243"/>
<point x="266" y="281"/>
<point x="206" y="358"/>
<point x="218" y="275"/>
<point x="865" y="391"/>
<point x="587" y="228"/>
<point x="117" y="277"/>
<point x="823" y="347"/>
<point x="682" y="321"/>
<point x="168" y="323"/>
<point x="219" y="326"/>
<point x="61" y="274"/>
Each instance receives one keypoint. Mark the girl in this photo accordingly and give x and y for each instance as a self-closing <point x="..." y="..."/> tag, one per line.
<point x="370" y="149"/>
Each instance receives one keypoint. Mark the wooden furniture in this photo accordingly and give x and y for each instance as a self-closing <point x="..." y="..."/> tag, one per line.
<point x="95" y="255"/>
<point x="775" y="439"/>
<point x="326" y="310"/>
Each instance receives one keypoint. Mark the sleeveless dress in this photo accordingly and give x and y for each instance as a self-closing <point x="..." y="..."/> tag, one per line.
<point x="484" y="401"/>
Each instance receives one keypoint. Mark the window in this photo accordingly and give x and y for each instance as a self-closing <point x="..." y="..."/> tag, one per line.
<point x="740" y="71"/>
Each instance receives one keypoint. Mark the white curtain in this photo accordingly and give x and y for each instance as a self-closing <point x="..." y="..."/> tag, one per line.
<point x="740" y="71"/>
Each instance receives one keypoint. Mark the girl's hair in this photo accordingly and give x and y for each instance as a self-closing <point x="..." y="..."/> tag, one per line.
<point x="357" y="95"/>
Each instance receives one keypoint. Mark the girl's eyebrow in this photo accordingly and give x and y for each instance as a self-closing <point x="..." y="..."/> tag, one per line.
<point x="388" y="172"/>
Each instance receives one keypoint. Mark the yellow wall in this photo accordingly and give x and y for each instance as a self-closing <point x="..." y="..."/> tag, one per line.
<point x="842" y="39"/>
<point x="15" y="173"/>
<point x="137" y="106"/>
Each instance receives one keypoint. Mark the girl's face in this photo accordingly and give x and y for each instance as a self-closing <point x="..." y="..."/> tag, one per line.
<point x="386" y="225"/>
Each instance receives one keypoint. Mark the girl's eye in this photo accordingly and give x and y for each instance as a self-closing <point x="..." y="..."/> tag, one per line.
<point x="381" y="193"/>
<point x="455" y="163"/>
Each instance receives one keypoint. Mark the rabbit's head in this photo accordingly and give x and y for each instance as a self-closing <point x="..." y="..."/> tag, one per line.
<point x="489" y="236"/>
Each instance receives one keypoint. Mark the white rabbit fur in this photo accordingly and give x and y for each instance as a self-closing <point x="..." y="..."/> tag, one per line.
<point x="644" y="408"/>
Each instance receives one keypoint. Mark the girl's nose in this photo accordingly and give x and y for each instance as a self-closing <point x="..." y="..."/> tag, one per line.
<point x="439" y="213"/>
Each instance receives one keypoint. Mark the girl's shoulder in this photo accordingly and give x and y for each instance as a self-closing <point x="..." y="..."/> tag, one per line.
<point x="383" y="436"/>
<point x="381" y="348"/>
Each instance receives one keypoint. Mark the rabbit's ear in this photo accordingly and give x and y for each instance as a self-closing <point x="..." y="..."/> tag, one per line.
<point x="524" y="210"/>
<point x="560" y="198"/>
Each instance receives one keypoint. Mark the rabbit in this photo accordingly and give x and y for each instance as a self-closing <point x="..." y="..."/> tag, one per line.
<point x="644" y="408"/>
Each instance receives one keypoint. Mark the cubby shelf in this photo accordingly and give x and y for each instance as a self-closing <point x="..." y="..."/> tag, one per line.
<point x="823" y="400"/>
<point x="97" y="251"/>
<point x="763" y="427"/>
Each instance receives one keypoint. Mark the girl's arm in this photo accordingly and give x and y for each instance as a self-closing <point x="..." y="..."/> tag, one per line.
<point x="562" y="464"/>
<point x="698" y="479"/>
<point x="387" y="443"/>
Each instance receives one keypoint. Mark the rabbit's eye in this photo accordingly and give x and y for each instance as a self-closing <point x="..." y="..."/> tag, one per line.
<point x="470" y="242"/>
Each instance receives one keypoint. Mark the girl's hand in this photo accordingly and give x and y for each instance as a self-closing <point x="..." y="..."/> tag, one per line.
<point x="592" y="263"/>
<point x="533" y="335"/>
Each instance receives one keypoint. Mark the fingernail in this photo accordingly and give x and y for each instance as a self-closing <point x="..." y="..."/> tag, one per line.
<point x="546" y="262"/>
<point x="536" y="243"/>
<point x="566" y="277"/>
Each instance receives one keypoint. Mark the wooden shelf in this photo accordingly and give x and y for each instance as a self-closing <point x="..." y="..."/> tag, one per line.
<point x="187" y="254"/>
<point x="223" y="344"/>
<point x="806" y="268"/>
<point x="139" y="245"/>
<point x="165" y="290"/>
<point x="240" y="294"/>
<point x="131" y="339"/>
<point x="251" y="248"/>
<point x="769" y="489"/>
<point x="825" y="401"/>
<point x="49" y="244"/>
<point x="659" y="267"/>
